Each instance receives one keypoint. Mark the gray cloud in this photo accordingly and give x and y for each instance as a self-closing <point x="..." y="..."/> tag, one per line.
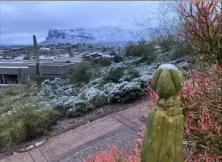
<point x="20" y="20"/>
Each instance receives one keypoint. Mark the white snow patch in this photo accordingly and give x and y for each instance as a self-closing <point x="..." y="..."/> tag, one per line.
<point x="168" y="66"/>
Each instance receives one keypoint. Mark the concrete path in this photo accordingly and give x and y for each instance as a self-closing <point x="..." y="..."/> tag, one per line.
<point x="118" y="129"/>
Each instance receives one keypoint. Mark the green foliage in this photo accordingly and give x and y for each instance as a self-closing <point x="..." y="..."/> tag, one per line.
<point x="143" y="49"/>
<point x="11" y="94"/>
<point x="166" y="42"/>
<point x="114" y="74"/>
<point x="25" y="122"/>
<point x="80" y="73"/>
<point x="164" y="134"/>
<point x="133" y="73"/>
<point x="182" y="49"/>
<point x="117" y="58"/>
<point x="103" y="61"/>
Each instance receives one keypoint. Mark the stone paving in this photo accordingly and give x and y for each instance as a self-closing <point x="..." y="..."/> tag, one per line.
<point x="118" y="129"/>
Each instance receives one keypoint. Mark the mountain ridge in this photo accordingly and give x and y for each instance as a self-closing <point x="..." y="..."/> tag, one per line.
<point x="101" y="35"/>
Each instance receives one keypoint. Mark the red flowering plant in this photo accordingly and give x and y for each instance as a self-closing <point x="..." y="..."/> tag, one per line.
<point x="202" y="108"/>
<point x="114" y="154"/>
<point x="202" y="26"/>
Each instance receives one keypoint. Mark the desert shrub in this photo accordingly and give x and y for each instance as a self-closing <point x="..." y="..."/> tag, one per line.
<point x="133" y="73"/>
<point x="143" y="49"/>
<point x="125" y="92"/>
<point x="166" y="42"/>
<point x="25" y="122"/>
<point x="114" y="74"/>
<point x="202" y="110"/>
<point x="79" y="74"/>
<point x="114" y="154"/>
<point x="117" y="58"/>
<point x="104" y="61"/>
<point x="181" y="49"/>
<point x="173" y="47"/>
<point x="86" y="101"/>
<point x="201" y="26"/>
<point x="98" y="61"/>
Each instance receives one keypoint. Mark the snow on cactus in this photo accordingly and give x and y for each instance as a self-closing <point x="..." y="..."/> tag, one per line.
<point x="167" y="80"/>
<point x="164" y="134"/>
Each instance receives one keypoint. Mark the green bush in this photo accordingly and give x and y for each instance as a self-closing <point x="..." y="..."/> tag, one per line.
<point x="133" y="73"/>
<point x="79" y="74"/>
<point x="143" y="49"/>
<point x="104" y="61"/>
<point x="181" y="49"/>
<point x="114" y="75"/>
<point x="26" y="122"/>
<point x="166" y="42"/>
<point x="117" y="58"/>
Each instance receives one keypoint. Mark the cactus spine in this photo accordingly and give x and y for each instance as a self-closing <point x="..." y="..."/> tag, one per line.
<point x="38" y="77"/>
<point x="164" y="134"/>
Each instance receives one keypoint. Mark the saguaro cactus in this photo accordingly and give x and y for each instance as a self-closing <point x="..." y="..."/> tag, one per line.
<point x="38" y="77"/>
<point x="164" y="134"/>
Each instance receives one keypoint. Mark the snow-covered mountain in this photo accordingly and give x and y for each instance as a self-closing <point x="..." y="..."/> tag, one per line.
<point x="103" y="35"/>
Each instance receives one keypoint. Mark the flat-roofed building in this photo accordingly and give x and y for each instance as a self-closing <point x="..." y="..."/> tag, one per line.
<point x="12" y="71"/>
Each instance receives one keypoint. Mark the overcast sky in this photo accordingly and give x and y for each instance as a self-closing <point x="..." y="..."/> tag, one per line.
<point x="20" y="20"/>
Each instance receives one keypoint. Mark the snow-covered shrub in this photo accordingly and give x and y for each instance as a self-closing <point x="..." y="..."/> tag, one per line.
<point x="114" y="74"/>
<point x="79" y="74"/>
<point x="79" y="107"/>
<point x="133" y="73"/>
<point x="125" y="91"/>
<point x="95" y="96"/>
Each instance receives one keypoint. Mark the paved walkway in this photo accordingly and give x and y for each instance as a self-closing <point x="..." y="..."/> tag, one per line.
<point x="73" y="146"/>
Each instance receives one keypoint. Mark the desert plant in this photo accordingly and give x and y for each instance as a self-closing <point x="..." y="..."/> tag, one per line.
<point x="37" y="64"/>
<point x="201" y="22"/>
<point x="79" y="74"/>
<point x="117" y="58"/>
<point x="114" y="154"/>
<point x="26" y="122"/>
<point x="104" y="61"/>
<point x="183" y="49"/>
<point x="114" y="74"/>
<point x="143" y="49"/>
<point x="166" y="42"/>
<point x="164" y="134"/>
<point x="201" y="101"/>
<point x="133" y="73"/>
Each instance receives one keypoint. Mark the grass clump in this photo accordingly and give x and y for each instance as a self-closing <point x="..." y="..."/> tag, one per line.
<point x="24" y="122"/>
<point x="11" y="94"/>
